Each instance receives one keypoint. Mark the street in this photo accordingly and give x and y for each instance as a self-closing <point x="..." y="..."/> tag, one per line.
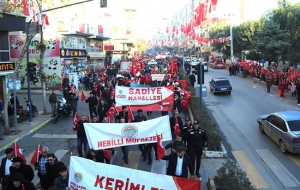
<point x="257" y="154"/>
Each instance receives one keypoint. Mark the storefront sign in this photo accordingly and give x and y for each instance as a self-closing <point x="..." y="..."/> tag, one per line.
<point x="72" y="53"/>
<point x="109" y="47"/>
<point x="72" y="42"/>
<point x="7" y="66"/>
<point x="158" y="77"/>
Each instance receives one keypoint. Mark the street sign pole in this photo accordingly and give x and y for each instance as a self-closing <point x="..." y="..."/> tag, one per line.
<point x="15" y="106"/>
<point x="28" y="75"/>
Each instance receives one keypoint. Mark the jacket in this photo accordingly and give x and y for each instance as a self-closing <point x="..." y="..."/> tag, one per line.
<point x="123" y="114"/>
<point x="187" y="163"/>
<point x="2" y="167"/>
<point x="196" y="138"/>
<point x="92" y="101"/>
<point x="61" y="184"/>
<point x="80" y="129"/>
<point x="52" y="171"/>
<point x="25" y="184"/>
<point x="24" y="169"/>
<point x="52" y="98"/>
<point x="137" y="118"/>
<point x="173" y="121"/>
<point x="73" y="101"/>
<point x="102" y="109"/>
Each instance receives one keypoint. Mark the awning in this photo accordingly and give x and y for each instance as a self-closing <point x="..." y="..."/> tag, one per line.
<point x="76" y="33"/>
<point x="100" y="37"/>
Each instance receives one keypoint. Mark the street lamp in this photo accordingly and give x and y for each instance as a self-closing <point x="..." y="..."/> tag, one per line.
<point x="230" y="15"/>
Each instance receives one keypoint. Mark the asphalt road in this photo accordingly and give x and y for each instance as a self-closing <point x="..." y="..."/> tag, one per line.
<point x="236" y="115"/>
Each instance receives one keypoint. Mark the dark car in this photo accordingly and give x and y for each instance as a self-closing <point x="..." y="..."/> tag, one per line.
<point x="220" y="85"/>
<point x="283" y="128"/>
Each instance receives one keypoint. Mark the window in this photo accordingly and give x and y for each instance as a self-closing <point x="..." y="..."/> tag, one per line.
<point x="4" y="47"/>
<point x="294" y="125"/>
<point x="273" y="120"/>
<point x="281" y="125"/>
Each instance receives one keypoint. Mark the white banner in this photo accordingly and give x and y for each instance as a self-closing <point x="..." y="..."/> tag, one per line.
<point x="87" y="174"/>
<point x="141" y="96"/>
<point x="109" y="135"/>
<point x="158" y="77"/>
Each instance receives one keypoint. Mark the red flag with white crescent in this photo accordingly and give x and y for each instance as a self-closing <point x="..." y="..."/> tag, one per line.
<point x="160" y="149"/>
<point x="18" y="152"/>
<point x="111" y="113"/>
<point x="36" y="154"/>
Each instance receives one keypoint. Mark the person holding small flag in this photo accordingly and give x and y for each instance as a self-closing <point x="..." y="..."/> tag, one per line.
<point x="93" y="102"/>
<point x="73" y="101"/>
<point x="175" y="124"/>
<point x="40" y="164"/>
<point x="179" y="163"/>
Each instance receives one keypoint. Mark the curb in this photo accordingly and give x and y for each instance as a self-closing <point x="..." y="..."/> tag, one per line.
<point x="26" y="134"/>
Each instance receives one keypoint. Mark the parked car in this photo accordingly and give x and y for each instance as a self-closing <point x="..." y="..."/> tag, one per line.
<point x="283" y="128"/>
<point x="218" y="85"/>
<point x="217" y="65"/>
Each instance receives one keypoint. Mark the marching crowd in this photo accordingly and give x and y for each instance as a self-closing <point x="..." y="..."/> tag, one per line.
<point x="188" y="140"/>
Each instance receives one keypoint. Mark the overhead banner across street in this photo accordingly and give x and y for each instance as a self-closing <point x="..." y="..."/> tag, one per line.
<point x="147" y="98"/>
<point x="87" y="174"/>
<point x="109" y="135"/>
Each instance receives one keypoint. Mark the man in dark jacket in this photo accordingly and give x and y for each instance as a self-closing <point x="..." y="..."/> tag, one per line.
<point x="175" y="124"/>
<point x="24" y="169"/>
<point x="66" y="93"/>
<point x="123" y="114"/>
<point x="62" y="181"/>
<point x="73" y="101"/>
<point x="139" y="118"/>
<point x="192" y="78"/>
<point x="52" y="169"/>
<point x="93" y="102"/>
<point x="52" y="101"/>
<point x="81" y="136"/>
<point x="183" y="160"/>
<point x="197" y="143"/>
<point x="18" y="182"/>
<point x="102" y="109"/>
<point x="174" y="144"/>
<point x="7" y="161"/>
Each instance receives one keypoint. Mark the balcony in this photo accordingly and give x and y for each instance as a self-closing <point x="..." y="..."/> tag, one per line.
<point x="92" y="49"/>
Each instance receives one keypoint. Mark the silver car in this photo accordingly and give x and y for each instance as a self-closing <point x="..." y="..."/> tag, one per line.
<point x="283" y="128"/>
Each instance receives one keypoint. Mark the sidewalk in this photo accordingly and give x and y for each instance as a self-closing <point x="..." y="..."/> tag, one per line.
<point x="24" y="129"/>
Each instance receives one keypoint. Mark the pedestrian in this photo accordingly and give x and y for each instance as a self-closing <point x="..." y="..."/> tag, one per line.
<point x="81" y="136"/>
<point x="102" y="109"/>
<point x="6" y="162"/>
<point x="52" y="169"/>
<point x="177" y="102"/>
<point x="230" y="68"/>
<point x="24" y="169"/>
<point x="140" y="117"/>
<point x="66" y="81"/>
<point x="179" y="163"/>
<point x="95" y="155"/>
<point x="93" y="102"/>
<point x="197" y="143"/>
<point x="10" y="113"/>
<point x="192" y="78"/>
<point x="298" y="92"/>
<point x="12" y="99"/>
<point x="185" y="128"/>
<point x="174" y="144"/>
<point x="95" y="120"/>
<point x="269" y="83"/>
<point x="66" y="93"/>
<point x="62" y="181"/>
<point x="293" y="90"/>
<point x="74" y="103"/>
<point x="281" y="88"/>
<point x="175" y="124"/>
<point x="125" y="149"/>
<point x="40" y="166"/>
<point x="53" y="101"/>
<point x="18" y="182"/>
<point x="123" y="114"/>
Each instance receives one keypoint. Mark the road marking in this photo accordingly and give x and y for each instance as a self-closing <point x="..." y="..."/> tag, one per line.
<point x="55" y="136"/>
<point x="287" y="179"/>
<point x="247" y="166"/>
<point x="133" y="159"/>
<point x="295" y="158"/>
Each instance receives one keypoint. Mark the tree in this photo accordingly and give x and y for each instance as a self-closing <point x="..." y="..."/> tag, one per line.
<point x="271" y="41"/>
<point x="141" y="45"/>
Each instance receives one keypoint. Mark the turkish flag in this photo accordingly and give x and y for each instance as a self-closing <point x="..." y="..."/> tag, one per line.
<point x="106" y="153"/>
<point x="100" y="29"/>
<point x="176" y="129"/>
<point x="111" y="113"/>
<point x="130" y="115"/>
<point x="36" y="154"/>
<point x="25" y="7"/>
<point x="83" y="97"/>
<point x="73" y="90"/>
<point x="160" y="149"/>
<point x="18" y="152"/>
<point x="75" y="121"/>
<point x="88" y="119"/>
<point x="133" y="68"/>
